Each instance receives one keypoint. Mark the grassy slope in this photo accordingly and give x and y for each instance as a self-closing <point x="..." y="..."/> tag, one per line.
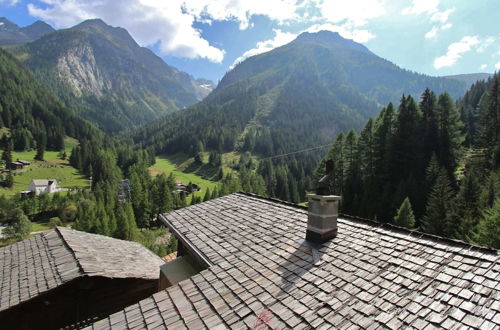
<point x="51" y="168"/>
<point x="184" y="170"/>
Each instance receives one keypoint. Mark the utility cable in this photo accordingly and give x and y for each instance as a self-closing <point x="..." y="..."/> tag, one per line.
<point x="296" y="152"/>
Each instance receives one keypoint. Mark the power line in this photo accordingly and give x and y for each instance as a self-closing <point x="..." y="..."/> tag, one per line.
<point x="296" y="152"/>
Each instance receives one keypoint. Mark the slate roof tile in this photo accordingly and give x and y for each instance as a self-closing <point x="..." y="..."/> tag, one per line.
<point x="43" y="262"/>
<point x="370" y="275"/>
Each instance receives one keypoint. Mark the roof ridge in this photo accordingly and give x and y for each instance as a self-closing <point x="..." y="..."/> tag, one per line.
<point x="59" y="232"/>
<point x="386" y="225"/>
<point x="456" y="242"/>
<point x="272" y="199"/>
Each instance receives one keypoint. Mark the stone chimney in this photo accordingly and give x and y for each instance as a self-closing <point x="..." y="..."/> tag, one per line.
<point x="322" y="218"/>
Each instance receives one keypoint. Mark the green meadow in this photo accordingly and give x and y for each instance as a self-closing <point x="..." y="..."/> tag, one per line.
<point x="52" y="167"/>
<point x="183" y="169"/>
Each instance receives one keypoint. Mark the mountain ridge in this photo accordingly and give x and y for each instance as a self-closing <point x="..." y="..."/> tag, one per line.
<point x="299" y="95"/>
<point x="107" y="77"/>
<point x="12" y="34"/>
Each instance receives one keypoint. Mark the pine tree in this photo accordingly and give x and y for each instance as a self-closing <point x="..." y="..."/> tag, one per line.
<point x="367" y="152"/>
<point x="103" y="224"/>
<point x="122" y="224"/>
<point x="208" y="195"/>
<point x="132" y="233"/>
<point x="490" y="191"/>
<point x="431" y="173"/>
<point x="489" y="123"/>
<point x="450" y="130"/>
<point x="384" y="127"/>
<point x="405" y="217"/>
<point x="86" y="216"/>
<point x="428" y="105"/>
<point x="406" y="146"/>
<point x="40" y="149"/>
<point x="215" y="193"/>
<point x="467" y="206"/>
<point x="437" y="219"/>
<point x="20" y="226"/>
<point x="336" y="154"/>
<point x="9" y="180"/>
<point x="352" y="177"/>
<point x="7" y="150"/>
<point x="488" y="229"/>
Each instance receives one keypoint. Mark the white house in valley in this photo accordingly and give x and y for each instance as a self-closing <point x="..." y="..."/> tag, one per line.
<point x="44" y="186"/>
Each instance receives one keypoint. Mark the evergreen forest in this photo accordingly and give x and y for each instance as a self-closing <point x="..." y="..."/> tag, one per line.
<point x="428" y="163"/>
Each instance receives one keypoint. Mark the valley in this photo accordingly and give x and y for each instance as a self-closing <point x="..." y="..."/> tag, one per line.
<point x="144" y="130"/>
<point x="302" y="164"/>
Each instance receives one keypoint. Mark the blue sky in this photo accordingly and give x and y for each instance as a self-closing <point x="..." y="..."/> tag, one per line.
<point x="207" y="37"/>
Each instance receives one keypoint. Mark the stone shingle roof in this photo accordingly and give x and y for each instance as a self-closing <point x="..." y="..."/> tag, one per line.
<point x="265" y="274"/>
<point x="43" y="262"/>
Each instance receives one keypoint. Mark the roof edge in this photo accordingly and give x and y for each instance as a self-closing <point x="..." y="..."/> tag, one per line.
<point x="59" y="232"/>
<point x="386" y="225"/>
<point x="186" y="243"/>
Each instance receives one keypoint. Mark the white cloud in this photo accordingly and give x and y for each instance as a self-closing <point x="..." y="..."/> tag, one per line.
<point x="242" y="10"/>
<point x="442" y="16"/>
<point x="422" y="7"/>
<point x="485" y="44"/>
<point x="482" y="67"/>
<point x="280" y="38"/>
<point x="432" y="33"/>
<point x="148" y="21"/>
<point x="435" y="29"/>
<point x="497" y="66"/>
<point x="170" y="23"/>
<point x="354" y="12"/>
<point x="430" y="7"/>
<point x="455" y="51"/>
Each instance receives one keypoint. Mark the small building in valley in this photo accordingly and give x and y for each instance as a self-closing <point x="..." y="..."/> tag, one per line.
<point x="44" y="186"/>
<point x="186" y="189"/>
<point x="15" y="166"/>
<point x="65" y="277"/>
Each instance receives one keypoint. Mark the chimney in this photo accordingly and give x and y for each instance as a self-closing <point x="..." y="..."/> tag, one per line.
<point x="322" y="218"/>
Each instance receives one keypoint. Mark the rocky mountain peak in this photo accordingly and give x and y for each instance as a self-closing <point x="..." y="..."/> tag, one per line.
<point x="330" y="39"/>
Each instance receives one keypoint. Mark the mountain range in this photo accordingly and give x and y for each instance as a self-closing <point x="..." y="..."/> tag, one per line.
<point x="296" y="96"/>
<point x="102" y="73"/>
<point x="299" y="95"/>
<point x="12" y="34"/>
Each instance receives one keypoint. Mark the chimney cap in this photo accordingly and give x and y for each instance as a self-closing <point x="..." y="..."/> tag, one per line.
<point x="324" y="197"/>
<point x="323" y="185"/>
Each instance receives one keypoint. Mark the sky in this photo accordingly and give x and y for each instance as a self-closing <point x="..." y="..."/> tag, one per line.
<point x="206" y="38"/>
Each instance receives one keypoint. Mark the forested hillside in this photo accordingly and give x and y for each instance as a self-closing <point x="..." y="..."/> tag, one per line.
<point x="299" y="95"/>
<point x="106" y="77"/>
<point x="294" y="97"/>
<point x="33" y="117"/>
<point x="419" y="166"/>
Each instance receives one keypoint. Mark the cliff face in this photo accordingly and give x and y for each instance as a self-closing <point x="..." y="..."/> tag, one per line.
<point x="78" y="68"/>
